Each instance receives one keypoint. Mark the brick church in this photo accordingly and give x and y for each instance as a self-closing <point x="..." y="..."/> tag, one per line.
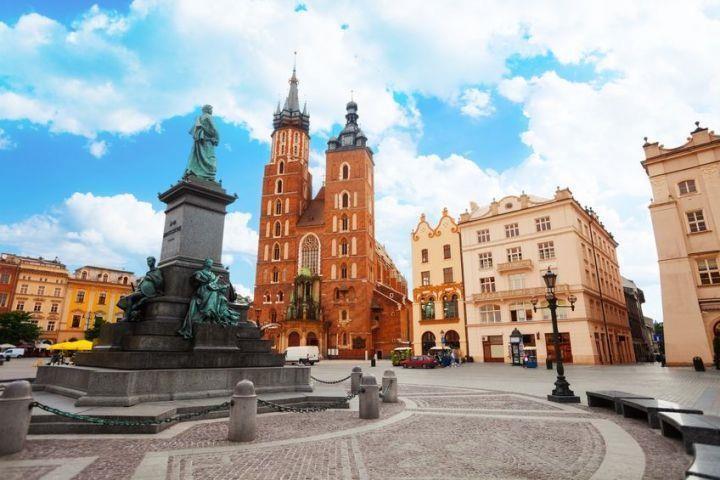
<point x="322" y="279"/>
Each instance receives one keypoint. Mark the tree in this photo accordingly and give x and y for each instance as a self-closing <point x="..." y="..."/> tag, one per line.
<point x="17" y="327"/>
<point x="94" y="332"/>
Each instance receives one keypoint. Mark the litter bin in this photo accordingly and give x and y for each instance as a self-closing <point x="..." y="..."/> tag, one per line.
<point x="698" y="364"/>
<point x="548" y="364"/>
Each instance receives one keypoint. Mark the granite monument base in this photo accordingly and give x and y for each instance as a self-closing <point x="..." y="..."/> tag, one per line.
<point x="93" y="386"/>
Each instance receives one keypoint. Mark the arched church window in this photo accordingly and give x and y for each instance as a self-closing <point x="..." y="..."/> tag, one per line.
<point x="344" y="223"/>
<point x="343" y="247"/>
<point x="280" y="296"/>
<point x="345" y="200"/>
<point x="278" y="229"/>
<point x="310" y="254"/>
<point x="281" y="167"/>
<point x="275" y="275"/>
<point x="278" y="207"/>
<point x="279" y="186"/>
<point x="343" y="271"/>
<point x="276" y="252"/>
<point x="345" y="171"/>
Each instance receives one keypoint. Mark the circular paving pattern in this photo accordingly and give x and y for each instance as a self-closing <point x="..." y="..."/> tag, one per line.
<point x="434" y="433"/>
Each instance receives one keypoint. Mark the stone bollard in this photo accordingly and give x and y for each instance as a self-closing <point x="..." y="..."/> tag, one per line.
<point x="14" y="416"/>
<point x="369" y="398"/>
<point x="355" y="377"/>
<point x="389" y="387"/>
<point x="243" y="413"/>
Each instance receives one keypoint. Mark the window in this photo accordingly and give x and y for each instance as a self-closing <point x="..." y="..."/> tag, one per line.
<point x="483" y="236"/>
<point x="310" y="254"/>
<point x="345" y="200"/>
<point x="275" y="276"/>
<point x="485" y="260"/>
<point x="20" y="306"/>
<point x="278" y="207"/>
<point x="80" y="298"/>
<point x="281" y="167"/>
<point x="446" y="252"/>
<point x="542" y="224"/>
<point x="41" y="290"/>
<point x="57" y="290"/>
<point x="687" y="186"/>
<point x="425" y="276"/>
<point x="447" y="275"/>
<point x="709" y="273"/>
<point x="520" y="312"/>
<point x="343" y="315"/>
<point x="343" y="247"/>
<point x="23" y="289"/>
<point x="546" y="250"/>
<point x="75" y="321"/>
<point x="427" y="309"/>
<point x="105" y="277"/>
<point x="37" y="307"/>
<point x="278" y="229"/>
<point x="512" y="230"/>
<point x="487" y="284"/>
<point x="345" y="171"/>
<point x="54" y="308"/>
<point x="696" y="221"/>
<point x="5" y="278"/>
<point x="3" y="299"/>
<point x="516" y="282"/>
<point x="344" y="223"/>
<point x="343" y="271"/>
<point x="276" y="252"/>
<point x="424" y="255"/>
<point x="490" y="314"/>
<point x="450" y="306"/>
<point x="514" y="254"/>
<point x="279" y="186"/>
<point x="50" y="326"/>
<point x="280" y="296"/>
<point x="101" y="298"/>
<point x="83" y="275"/>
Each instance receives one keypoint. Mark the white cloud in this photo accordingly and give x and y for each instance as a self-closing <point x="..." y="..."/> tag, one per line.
<point x="476" y="103"/>
<point x="6" y="142"/>
<point x="98" y="148"/>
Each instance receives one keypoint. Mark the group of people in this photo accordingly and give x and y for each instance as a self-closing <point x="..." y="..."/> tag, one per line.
<point x="451" y="359"/>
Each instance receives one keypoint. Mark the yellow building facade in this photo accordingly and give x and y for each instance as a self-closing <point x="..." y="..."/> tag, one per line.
<point x="685" y="212"/>
<point x="41" y="291"/>
<point x="92" y="293"/>
<point x="506" y="248"/>
<point x="438" y="296"/>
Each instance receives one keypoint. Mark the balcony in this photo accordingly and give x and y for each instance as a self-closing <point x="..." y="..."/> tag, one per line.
<point x="514" y="266"/>
<point x="520" y="293"/>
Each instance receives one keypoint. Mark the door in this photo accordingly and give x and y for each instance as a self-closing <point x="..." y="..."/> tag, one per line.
<point x="493" y="349"/>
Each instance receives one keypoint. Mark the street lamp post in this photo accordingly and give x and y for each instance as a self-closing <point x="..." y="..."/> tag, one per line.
<point x="561" y="393"/>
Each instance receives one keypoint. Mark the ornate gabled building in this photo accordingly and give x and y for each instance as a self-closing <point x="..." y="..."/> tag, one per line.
<point x="322" y="279"/>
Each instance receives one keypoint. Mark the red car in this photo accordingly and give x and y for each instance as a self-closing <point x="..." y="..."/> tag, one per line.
<point x="420" y="361"/>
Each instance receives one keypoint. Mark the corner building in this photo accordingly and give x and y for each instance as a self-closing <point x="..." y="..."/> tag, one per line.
<point x="321" y="278"/>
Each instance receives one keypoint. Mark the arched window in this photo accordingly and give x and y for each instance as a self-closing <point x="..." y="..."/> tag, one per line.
<point x="278" y="229"/>
<point x="310" y="254"/>
<point x="344" y="338"/>
<point x="345" y="171"/>
<point x="294" y="339"/>
<point x="427" y="308"/>
<point x="278" y="207"/>
<point x="452" y="339"/>
<point x="281" y="167"/>
<point x="311" y="339"/>
<point x="279" y="186"/>
<point x="490" y="314"/>
<point x="344" y="223"/>
<point x="343" y="271"/>
<point x="83" y="275"/>
<point x="450" y="306"/>
<point x="343" y="247"/>
<point x="105" y="277"/>
<point x="275" y="275"/>
<point x="276" y="252"/>
<point x="343" y="315"/>
<point x="428" y="341"/>
<point x="273" y="316"/>
<point x="280" y="296"/>
<point x="345" y="200"/>
<point x="266" y="297"/>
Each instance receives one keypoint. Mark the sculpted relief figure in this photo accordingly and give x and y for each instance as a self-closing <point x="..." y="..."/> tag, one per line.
<point x="149" y="287"/>
<point x="209" y="303"/>
<point x="202" y="162"/>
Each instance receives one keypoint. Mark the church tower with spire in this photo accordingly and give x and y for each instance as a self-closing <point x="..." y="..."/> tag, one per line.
<point x="286" y="194"/>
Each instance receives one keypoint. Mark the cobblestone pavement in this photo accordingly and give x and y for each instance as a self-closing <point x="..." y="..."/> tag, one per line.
<point x="434" y="433"/>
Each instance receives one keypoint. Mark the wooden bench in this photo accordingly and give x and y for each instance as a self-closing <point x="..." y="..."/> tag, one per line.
<point x="646" y="408"/>
<point x="610" y="399"/>
<point x="690" y="428"/>
<point x="706" y="463"/>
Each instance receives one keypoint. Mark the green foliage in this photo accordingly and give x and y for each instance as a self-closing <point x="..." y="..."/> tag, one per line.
<point x="17" y="327"/>
<point x="94" y="332"/>
<point x="398" y="356"/>
<point x="659" y="330"/>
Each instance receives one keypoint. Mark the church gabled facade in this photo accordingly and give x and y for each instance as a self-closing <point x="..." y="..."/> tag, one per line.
<point x="322" y="279"/>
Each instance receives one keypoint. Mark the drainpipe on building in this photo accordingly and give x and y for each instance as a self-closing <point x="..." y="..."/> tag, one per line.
<point x="599" y="284"/>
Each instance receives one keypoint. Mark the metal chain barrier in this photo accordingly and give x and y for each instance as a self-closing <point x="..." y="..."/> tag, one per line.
<point x="383" y="393"/>
<point x="285" y="408"/>
<point x="331" y="382"/>
<point x="128" y="423"/>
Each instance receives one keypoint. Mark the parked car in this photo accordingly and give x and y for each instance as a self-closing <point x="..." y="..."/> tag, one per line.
<point x="420" y="361"/>
<point x="14" y="353"/>
<point x="306" y="355"/>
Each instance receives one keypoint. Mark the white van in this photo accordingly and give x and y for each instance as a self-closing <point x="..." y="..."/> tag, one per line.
<point x="306" y="355"/>
<point x="14" y="353"/>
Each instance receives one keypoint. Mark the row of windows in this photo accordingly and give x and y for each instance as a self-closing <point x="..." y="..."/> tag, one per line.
<point x="41" y="279"/>
<point x="105" y="277"/>
<point x="40" y="290"/>
<point x="447" y="253"/>
<point x="513" y="229"/>
<point x="449" y="306"/>
<point x="447" y="276"/>
<point x="546" y="251"/>
<point x="36" y="308"/>
<point x="519" y="312"/>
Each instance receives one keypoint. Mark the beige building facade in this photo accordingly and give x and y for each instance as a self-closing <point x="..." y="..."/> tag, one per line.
<point x="685" y="212"/>
<point x="40" y="290"/>
<point x="506" y="248"/>
<point x="438" y="298"/>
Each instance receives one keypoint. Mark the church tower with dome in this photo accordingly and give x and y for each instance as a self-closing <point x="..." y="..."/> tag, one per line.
<point x="322" y="279"/>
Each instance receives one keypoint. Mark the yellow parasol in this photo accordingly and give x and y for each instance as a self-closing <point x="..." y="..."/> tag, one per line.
<point x="77" y="345"/>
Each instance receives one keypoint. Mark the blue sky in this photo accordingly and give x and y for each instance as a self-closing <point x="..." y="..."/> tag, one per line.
<point x="96" y="99"/>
